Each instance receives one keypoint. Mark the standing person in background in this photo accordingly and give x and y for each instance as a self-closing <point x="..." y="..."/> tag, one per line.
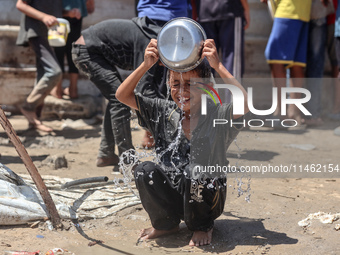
<point x="38" y="16"/>
<point x="317" y="41"/>
<point x="79" y="10"/>
<point x="225" y="22"/>
<point x="121" y="43"/>
<point x="287" y="48"/>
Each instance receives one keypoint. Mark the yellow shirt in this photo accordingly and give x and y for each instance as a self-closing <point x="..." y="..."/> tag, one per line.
<point x="293" y="9"/>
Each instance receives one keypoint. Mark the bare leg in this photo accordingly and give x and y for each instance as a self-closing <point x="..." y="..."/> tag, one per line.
<point x="57" y="91"/>
<point x="200" y="238"/>
<point x="151" y="233"/>
<point x="297" y="74"/>
<point x="72" y="90"/>
<point x="278" y="72"/>
<point x="73" y="85"/>
<point x="34" y="122"/>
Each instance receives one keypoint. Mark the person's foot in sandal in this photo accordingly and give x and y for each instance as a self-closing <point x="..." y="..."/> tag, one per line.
<point x="34" y="122"/>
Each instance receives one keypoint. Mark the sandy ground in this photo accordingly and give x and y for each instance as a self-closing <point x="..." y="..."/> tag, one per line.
<point x="267" y="224"/>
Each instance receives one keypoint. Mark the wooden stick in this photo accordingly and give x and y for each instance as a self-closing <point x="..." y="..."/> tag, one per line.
<point x="50" y="206"/>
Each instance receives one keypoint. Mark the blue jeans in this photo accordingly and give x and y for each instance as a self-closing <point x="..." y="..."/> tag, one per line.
<point x="315" y="64"/>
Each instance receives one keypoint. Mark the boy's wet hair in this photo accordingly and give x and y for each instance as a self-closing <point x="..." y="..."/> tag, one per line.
<point x="203" y="69"/>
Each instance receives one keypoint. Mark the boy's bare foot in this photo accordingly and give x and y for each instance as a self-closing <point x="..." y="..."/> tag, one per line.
<point x="70" y="93"/>
<point x="41" y="127"/>
<point x="151" y="233"/>
<point x="200" y="238"/>
<point x="57" y="92"/>
<point x="34" y="122"/>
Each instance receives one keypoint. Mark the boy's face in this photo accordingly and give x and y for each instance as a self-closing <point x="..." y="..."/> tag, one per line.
<point x="186" y="95"/>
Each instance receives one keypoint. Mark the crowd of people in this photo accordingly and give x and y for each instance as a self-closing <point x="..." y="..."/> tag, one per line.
<point x="301" y="32"/>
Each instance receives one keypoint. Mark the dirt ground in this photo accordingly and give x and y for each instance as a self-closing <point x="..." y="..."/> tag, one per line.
<point x="267" y="224"/>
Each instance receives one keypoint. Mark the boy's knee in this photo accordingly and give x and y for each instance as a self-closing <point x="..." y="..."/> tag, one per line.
<point x="144" y="168"/>
<point x="56" y="74"/>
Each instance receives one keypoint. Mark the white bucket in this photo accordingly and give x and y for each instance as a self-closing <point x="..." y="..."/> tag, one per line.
<point x="57" y="35"/>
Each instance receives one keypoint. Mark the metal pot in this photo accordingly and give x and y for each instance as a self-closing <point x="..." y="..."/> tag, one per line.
<point x="180" y="44"/>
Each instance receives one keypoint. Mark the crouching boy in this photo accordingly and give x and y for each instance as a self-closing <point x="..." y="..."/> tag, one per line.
<point x="174" y="188"/>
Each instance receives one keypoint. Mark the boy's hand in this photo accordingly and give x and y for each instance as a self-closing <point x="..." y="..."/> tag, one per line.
<point x="210" y="52"/>
<point x="49" y="20"/>
<point x="151" y="55"/>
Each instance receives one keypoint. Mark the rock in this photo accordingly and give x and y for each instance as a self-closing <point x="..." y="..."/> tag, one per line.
<point x="56" y="161"/>
<point x="78" y="124"/>
<point x="304" y="147"/>
<point x="83" y="107"/>
<point x="136" y="217"/>
<point x="337" y="131"/>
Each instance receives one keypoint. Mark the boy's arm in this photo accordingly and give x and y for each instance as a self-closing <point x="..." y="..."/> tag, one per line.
<point x="125" y="92"/>
<point x="210" y="52"/>
<point x="246" y="12"/>
<point x="28" y="10"/>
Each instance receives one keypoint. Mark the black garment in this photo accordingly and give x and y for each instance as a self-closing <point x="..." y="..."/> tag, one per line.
<point x="172" y="190"/>
<point x="208" y="144"/>
<point x="75" y="25"/>
<point x="110" y="44"/>
<point x="117" y="115"/>
<point x="213" y="10"/>
<point x="192" y="201"/>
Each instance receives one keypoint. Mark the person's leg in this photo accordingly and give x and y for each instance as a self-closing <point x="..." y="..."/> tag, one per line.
<point x="106" y="154"/>
<point x="297" y="81"/>
<point x="216" y="30"/>
<point x="279" y="74"/>
<point x="331" y="52"/>
<point x="280" y="52"/>
<point x="107" y="79"/>
<point x="57" y="91"/>
<point x="72" y="90"/>
<point x="231" y="37"/>
<point x="48" y="75"/>
<point x="162" y="202"/>
<point x="315" y="67"/>
<point x="203" y="202"/>
<point x="335" y="114"/>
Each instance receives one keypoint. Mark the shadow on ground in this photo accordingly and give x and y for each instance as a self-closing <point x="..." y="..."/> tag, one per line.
<point x="253" y="155"/>
<point x="17" y="160"/>
<point x="229" y="233"/>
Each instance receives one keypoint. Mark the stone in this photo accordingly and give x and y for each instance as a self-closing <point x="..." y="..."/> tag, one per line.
<point x="136" y="217"/>
<point x="83" y="107"/>
<point x="56" y="161"/>
<point x="337" y="131"/>
<point x="304" y="147"/>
